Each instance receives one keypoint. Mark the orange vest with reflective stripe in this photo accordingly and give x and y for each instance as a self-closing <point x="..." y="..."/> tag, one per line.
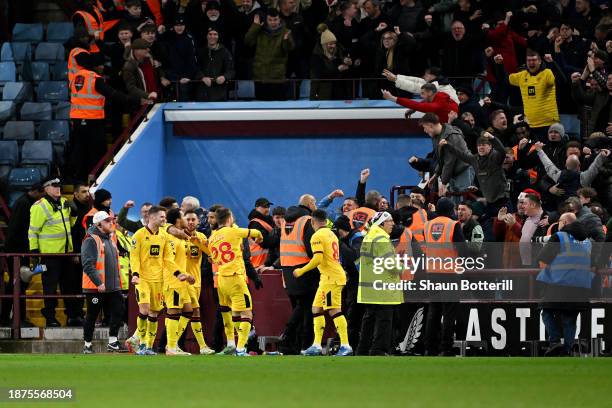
<point x="259" y="254"/>
<point x="292" y="247"/>
<point x="439" y="238"/>
<point x="85" y="101"/>
<point x="419" y="218"/>
<point x="93" y="25"/>
<point x="360" y="217"/>
<point x="73" y="67"/>
<point x="100" y="267"/>
<point x="404" y="247"/>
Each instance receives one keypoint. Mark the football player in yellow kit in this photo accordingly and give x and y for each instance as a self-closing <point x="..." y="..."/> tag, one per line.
<point x="147" y="264"/>
<point x="196" y="247"/>
<point x="326" y="257"/>
<point x="225" y="250"/>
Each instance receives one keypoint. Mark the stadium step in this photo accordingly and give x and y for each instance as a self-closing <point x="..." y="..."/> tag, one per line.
<point x="49" y="346"/>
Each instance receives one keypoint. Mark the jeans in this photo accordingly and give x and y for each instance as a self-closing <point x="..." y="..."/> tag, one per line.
<point x="460" y="183"/>
<point x="556" y="320"/>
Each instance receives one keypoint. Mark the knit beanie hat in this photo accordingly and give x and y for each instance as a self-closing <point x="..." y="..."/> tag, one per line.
<point x="100" y="196"/>
<point x="445" y="207"/>
<point x="558" y="127"/>
<point x="326" y="35"/>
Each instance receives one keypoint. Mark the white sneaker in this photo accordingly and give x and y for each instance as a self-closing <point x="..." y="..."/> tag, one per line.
<point x="207" y="351"/>
<point x="176" y="352"/>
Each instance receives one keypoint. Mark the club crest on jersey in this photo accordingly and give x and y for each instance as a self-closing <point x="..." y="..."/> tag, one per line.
<point x="359" y="218"/>
<point x="79" y="82"/>
<point x="154" y="250"/>
<point x="436" y="231"/>
<point x="195" y="251"/>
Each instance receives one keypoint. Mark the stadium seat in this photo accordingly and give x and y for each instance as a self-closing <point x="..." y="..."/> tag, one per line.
<point x="40" y="72"/>
<point x="8" y="71"/>
<point x="28" y="32"/>
<point x="14" y="130"/>
<point x="59" y="72"/>
<point x="246" y="89"/>
<point x="38" y="154"/>
<point x="9" y="152"/>
<point x="6" y="52"/>
<point x="59" y="32"/>
<point x="21" y="51"/>
<point x="22" y="179"/>
<point x="36" y="111"/>
<point x="7" y="111"/>
<point x="61" y="111"/>
<point x="17" y="92"/>
<point x="9" y="155"/>
<point x="58" y="131"/>
<point x="52" y="91"/>
<point x="50" y="52"/>
<point x="305" y="89"/>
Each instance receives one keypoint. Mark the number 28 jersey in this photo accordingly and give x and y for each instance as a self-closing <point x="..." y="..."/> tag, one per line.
<point x="225" y="246"/>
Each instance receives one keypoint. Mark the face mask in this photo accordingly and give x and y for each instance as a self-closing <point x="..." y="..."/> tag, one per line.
<point x="213" y="18"/>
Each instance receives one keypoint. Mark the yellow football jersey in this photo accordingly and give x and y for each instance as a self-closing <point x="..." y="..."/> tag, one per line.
<point x="194" y="257"/>
<point x="176" y="262"/>
<point x="225" y="246"/>
<point x="325" y="241"/>
<point x="147" y="254"/>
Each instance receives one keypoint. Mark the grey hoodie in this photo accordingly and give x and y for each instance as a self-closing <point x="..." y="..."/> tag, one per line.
<point x="89" y="256"/>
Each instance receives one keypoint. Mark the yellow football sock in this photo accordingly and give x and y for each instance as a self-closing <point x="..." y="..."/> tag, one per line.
<point x="319" y="328"/>
<point x="183" y="322"/>
<point x="341" y="328"/>
<point x="172" y="323"/>
<point x="141" y="327"/>
<point x="151" y="331"/>
<point x="228" y="327"/>
<point x="196" y="327"/>
<point x="244" y="328"/>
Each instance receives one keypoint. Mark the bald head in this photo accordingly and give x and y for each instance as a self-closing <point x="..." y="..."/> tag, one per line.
<point x="308" y="200"/>
<point x="572" y="162"/>
<point x="566" y="219"/>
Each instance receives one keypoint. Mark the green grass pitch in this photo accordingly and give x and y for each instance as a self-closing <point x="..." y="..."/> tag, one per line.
<point x="274" y="381"/>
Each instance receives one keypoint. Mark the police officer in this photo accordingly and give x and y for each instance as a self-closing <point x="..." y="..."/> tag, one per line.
<point x="50" y="233"/>
<point x="377" y="325"/>
<point x="101" y="280"/>
<point x="88" y="93"/>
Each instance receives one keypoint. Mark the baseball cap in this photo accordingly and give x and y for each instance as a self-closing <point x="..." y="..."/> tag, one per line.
<point x="263" y="202"/>
<point x="140" y="44"/>
<point x="100" y="216"/>
<point x="526" y="191"/>
<point x="380" y="217"/>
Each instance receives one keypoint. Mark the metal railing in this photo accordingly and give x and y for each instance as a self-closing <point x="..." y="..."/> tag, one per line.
<point x="135" y="120"/>
<point x="16" y="296"/>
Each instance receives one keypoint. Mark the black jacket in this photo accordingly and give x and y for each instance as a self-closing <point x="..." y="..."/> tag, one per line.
<point x="78" y="210"/>
<point x="18" y="225"/>
<point x="214" y="63"/>
<point x="181" y="53"/>
<point x="271" y="239"/>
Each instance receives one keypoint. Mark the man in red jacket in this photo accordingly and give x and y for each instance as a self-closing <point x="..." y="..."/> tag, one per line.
<point x="433" y="101"/>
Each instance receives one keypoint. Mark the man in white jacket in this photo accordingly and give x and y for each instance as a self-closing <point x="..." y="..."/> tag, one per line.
<point x="413" y="84"/>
